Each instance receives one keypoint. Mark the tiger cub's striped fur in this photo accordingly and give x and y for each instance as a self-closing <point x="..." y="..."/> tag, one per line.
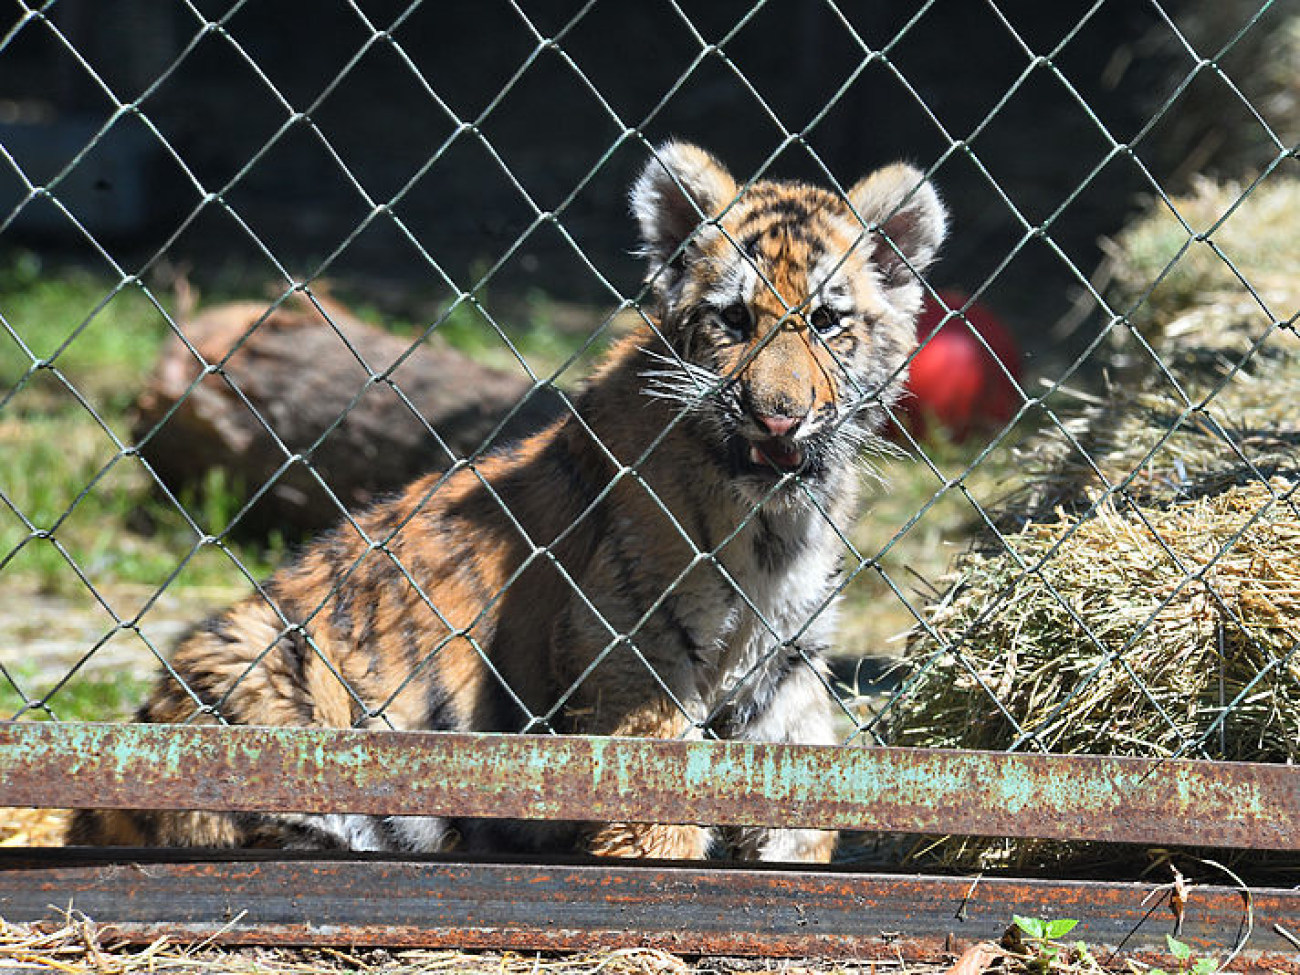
<point x="778" y="332"/>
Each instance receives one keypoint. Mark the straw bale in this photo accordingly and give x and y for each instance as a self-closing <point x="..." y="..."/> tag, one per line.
<point x="1140" y="632"/>
<point x="1200" y="379"/>
<point x="33" y="827"/>
<point x="1142" y="594"/>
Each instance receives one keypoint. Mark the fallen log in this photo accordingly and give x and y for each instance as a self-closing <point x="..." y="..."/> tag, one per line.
<point x="319" y="383"/>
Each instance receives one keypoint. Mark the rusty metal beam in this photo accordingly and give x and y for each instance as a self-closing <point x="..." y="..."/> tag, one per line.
<point x="694" y="909"/>
<point x="888" y="789"/>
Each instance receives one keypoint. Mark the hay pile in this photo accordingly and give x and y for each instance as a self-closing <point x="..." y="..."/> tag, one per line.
<point x="1146" y="601"/>
<point x="33" y="827"/>
<point x="1201" y="391"/>
<point x="1135" y="657"/>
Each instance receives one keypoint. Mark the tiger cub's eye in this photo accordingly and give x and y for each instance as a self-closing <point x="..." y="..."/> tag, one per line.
<point x="825" y="320"/>
<point x="736" y="318"/>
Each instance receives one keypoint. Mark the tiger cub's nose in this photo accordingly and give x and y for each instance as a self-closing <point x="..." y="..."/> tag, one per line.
<point x="777" y="424"/>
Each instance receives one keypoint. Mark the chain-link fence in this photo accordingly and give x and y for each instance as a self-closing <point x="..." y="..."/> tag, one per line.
<point x="669" y="549"/>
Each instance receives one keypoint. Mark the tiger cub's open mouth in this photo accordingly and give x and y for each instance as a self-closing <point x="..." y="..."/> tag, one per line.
<point x="775" y="454"/>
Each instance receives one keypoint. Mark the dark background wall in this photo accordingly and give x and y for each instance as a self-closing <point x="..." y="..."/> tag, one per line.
<point x="472" y="164"/>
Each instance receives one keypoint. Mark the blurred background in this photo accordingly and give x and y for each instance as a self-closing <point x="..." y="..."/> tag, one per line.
<point x="474" y="129"/>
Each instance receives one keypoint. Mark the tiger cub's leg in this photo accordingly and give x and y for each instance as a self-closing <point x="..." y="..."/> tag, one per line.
<point x="654" y="841"/>
<point x="800" y="713"/>
<point x="243" y="665"/>
<point x="662" y="719"/>
<point x="782" y="845"/>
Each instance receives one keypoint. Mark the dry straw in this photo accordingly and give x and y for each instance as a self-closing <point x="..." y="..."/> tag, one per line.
<point x="1144" y="598"/>
<point x="1145" y="632"/>
<point x="77" y="946"/>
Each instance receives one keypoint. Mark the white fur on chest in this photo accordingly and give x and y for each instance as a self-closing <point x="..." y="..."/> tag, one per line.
<point x="753" y="608"/>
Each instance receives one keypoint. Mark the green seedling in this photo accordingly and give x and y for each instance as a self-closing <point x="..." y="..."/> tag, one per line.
<point x="1187" y="964"/>
<point x="1043" y="939"/>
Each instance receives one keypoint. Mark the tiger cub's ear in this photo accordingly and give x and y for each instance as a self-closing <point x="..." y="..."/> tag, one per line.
<point x="682" y="186"/>
<point x="909" y="212"/>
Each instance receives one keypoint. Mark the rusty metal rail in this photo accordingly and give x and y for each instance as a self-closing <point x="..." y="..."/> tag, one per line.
<point x="886" y="789"/>
<point x="239" y="897"/>
<point x="695" y="908"/>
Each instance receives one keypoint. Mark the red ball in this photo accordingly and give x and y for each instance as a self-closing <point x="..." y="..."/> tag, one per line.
<point x="954" y="382"/>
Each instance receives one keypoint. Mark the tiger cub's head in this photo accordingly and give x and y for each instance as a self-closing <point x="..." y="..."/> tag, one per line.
<point x="790" y="309"/>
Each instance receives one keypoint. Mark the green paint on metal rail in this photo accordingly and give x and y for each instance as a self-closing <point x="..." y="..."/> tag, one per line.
<point x="744" y="783"/>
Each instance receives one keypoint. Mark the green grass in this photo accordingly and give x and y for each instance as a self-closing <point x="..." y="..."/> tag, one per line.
<point x="543" y="332"/>
<point x="94" y="696"/>
<point x="99" y="336"/>
<point x="74" y="353"/>
<point x="74" y="508"/>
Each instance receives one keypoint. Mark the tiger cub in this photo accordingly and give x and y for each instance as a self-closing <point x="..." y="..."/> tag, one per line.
<point x="659" y="563"/>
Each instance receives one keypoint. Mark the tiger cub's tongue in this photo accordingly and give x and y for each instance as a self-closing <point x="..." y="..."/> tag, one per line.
<point x="786" y="457"/>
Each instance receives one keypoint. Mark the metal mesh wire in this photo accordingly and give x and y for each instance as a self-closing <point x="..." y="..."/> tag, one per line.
<point x="863" y="718"/>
